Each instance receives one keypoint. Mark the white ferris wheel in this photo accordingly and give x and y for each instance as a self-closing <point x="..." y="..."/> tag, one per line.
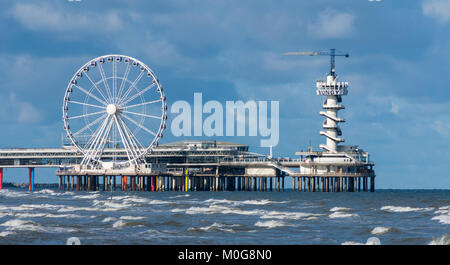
<point x="114" y="111"/>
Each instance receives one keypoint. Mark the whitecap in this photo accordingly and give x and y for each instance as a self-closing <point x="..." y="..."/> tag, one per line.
<point x="337" y="209"/>
<point x="216" y="226"/>
<point x="370" y="241"/>
<point x="444" y="218"/>
<point x="216" y="209"/>
<point x="379" y="230"/>
<point x="13" y="194"/>
<point x="89" y="196"/>
<point x="245" y="202"/>
<point x="6" y="233"/>
<point x="27" y="225"/>
<point x="443" y="240"/>
<point x="342" y="215"/>
<point x="400" y="209"/>
<point x="351" y="243"/>
<point x="271" y="224"/>
<point x="109" y="219"/>
<point x="132" y="217"/>
<point x="289" y="215"/>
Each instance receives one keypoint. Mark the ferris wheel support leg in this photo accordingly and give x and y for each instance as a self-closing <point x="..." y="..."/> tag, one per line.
<point x="31" y="179"/>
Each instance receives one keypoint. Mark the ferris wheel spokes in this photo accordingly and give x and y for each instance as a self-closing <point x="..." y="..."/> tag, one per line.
<point x="105" y="82"/>
<point x="86" y="104"/>
<point x="142" y="104"/>
<point x="87" y="115"/>
<point x="139" y="125"/>
<point x="90" y="124"/>
<point x="118" y="113"/>
<point x="91" y="95"/>
<point x="133" y="85"/>
<point x="143" y="115"/>
<point x="96" y="87"/>
<point x="93" y="142"/>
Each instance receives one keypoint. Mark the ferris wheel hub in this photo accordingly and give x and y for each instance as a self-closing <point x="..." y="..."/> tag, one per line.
<point x="111" y="109"/>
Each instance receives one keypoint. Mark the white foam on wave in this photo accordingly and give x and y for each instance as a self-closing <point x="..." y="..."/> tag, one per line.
<point x="132" y="217"/>
<point x="6" y="233"/>
<point x="444" y="218"/>
<point x="443" y="215"/>
<point x="352" y="243"/>
<point x="27" y="225"/>
<point x="45" y="191"/>
<point x="370" y="241"/>
<point x="120" y="223"/>
<point x="216" y="227"/>
<point x="339" y="209"/>
<point x="13" y="194"/>
<point x="180" y="196"/>
<point x="401" y="209"/>
<point x="289" y="215"/>
<point x="246" y="202"/>
<point x="89" y="196"/>
<point x="271" y="224"/>
<point x="443" y="240"/>
<point x="45" y="215"/>
<point x="215" y="209"/>
<point x="109" y="219"/>
<point x="380" y="230"/>
<point x="108" y="205"/>
<point x="342" y="215"/>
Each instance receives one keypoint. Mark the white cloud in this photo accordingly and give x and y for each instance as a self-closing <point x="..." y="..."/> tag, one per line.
<point x="437" y="9"/>
<point x="50" y="18"/>
<point x="331" y="24"/>
<point x="17" y="111"/>
<point x="442" y="127"/>
<point x="394" y="108"/>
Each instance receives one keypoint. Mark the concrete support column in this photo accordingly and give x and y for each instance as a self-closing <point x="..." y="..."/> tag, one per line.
<point x="31" y="179"/>
<point x="1" y="178"/>
<point x="372" y="184"/>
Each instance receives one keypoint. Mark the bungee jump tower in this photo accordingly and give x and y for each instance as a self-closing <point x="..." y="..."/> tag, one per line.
<point x="338" y="167"/>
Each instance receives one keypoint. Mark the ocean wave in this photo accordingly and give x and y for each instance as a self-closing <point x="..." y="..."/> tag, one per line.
<point x="6" y="233"/>
<point x="131" y="217"/>
<point x="443" y="240"/>
<point x="370" y="241"/>
<point x="401" y="209"/>
<point x="380" y="230"/>
<point x="342" y="215"/>
<point x="215" y="227"/>
<point x="28" y="225"/>
<point x="338" y="209"/>
<point x="271" y="224"/>
<point x="215" y="209"/>
<point x="109" y="219"/>
<point x="289" y="215"/>
<point x="180" y="196"/>
<point x="444" y="215"/>
<point x="123" y="223"/>
<point x="246" y="202"/>
<point x="444" y="218"/>
<point x="13" y="194"/>
<point x="89" y="196"/>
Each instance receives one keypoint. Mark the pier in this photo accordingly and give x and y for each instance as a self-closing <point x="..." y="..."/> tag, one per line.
<point x="111" y="137"/>
<point x="195" y="166"/>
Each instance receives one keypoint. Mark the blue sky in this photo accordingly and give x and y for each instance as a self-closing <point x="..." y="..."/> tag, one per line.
<point x="398" y="103"/>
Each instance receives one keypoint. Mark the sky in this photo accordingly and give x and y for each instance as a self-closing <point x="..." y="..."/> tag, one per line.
<point x="397" y="107"/>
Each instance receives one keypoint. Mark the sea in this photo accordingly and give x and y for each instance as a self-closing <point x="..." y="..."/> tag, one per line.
<point x="386" y="217"/>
